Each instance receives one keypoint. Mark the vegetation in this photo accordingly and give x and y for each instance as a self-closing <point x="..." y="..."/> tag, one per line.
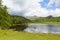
<point x="48" y="20"/>
<point x="11" y="22"/>
<point x="5" y="19"/>
<point x="19" y="23"/>
<point x="14" y="35"/>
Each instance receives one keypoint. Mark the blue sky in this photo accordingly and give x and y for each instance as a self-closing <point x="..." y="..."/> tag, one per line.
<point x="33" y="7"/>
<point x="44" y="4"/>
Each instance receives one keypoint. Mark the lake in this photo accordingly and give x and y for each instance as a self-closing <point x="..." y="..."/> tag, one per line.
<point x="43" y="28"/>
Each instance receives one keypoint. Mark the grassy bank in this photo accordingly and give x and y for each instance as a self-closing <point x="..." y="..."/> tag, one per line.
<point x="47" y="20"/>
<point x="14" y="35"/>
<point x="45" y="23"/>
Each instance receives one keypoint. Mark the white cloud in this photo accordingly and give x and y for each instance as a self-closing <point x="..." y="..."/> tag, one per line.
<point x="11" y="5"/>
<point x="31" y="7"/>
<point x="51" y="2"/>
<point x="57" y="12"/>
<point x="57" y="2"/>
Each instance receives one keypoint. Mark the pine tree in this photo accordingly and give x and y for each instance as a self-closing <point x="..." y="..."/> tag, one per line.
<point x="5" y="19"/>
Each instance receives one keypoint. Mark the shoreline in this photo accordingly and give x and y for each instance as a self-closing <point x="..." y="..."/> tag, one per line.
<point x="46" y="23"/>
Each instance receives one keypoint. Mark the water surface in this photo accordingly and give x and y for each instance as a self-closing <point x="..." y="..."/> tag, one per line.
<point x="44" y="28"/>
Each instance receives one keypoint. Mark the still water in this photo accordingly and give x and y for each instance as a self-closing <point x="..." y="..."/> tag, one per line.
<point x="43" y="28"/>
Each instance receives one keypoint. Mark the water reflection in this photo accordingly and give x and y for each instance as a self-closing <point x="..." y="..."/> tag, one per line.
<point x="50" y="28"/>
<point x="43" y="28"/>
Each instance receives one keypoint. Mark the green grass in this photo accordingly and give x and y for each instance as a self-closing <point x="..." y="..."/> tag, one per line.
<point x="45" y="23"/>
<point x="14" y="35"/>
<point x="46" y="20"/>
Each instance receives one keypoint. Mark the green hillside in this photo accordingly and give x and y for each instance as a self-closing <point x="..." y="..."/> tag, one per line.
<point x="48" y="20"/>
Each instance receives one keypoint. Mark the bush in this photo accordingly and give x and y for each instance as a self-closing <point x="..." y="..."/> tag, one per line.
<point x="19" y="23"/>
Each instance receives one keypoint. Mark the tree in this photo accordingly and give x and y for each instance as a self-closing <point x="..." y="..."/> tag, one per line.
<point x="19" y="23"/>
<point x="0" y="3"/>
<point x="50" y="16"/>
<point x="5" y="19"/>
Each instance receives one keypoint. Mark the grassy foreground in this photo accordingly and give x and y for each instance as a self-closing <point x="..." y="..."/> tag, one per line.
<point x="14" y="35"/>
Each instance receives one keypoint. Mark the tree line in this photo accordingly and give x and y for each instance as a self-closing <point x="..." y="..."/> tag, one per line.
<point x="48" y="19"/>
